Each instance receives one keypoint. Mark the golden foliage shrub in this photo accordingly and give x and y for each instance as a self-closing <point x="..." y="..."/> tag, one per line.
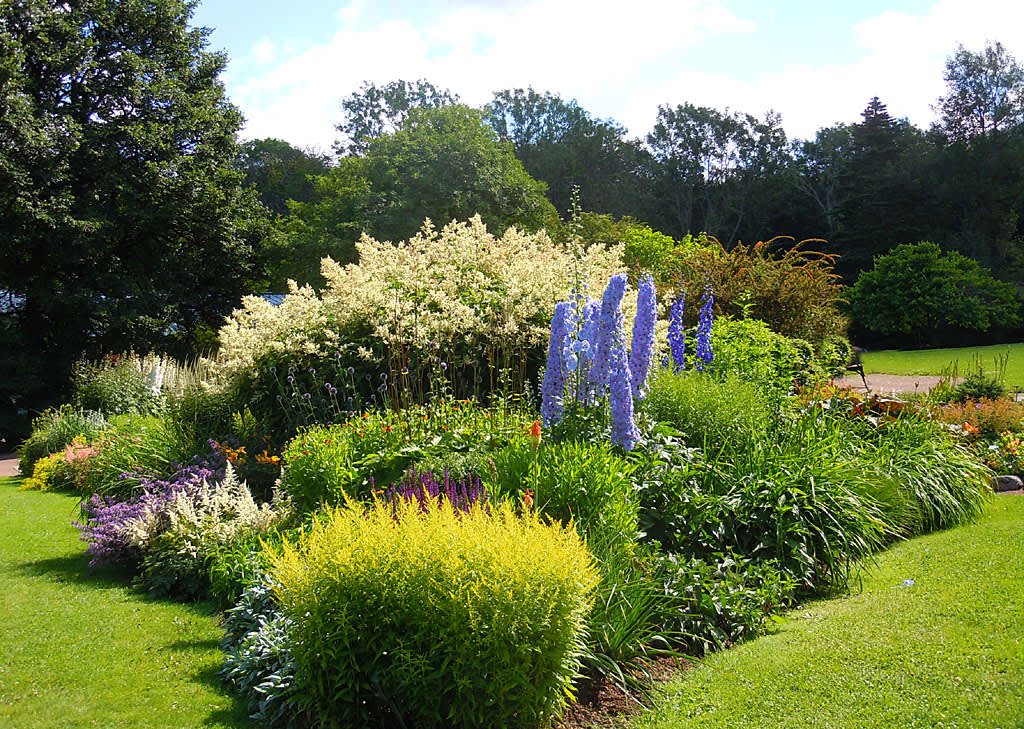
<point x="443" y="618"/>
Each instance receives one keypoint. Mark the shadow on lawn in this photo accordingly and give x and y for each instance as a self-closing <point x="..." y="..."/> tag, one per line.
<point x="74" y="569"/>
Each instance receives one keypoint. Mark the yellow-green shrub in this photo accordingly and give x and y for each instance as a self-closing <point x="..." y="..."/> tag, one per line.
<point x="446" y="619"/>
<point x="43" y="473"/>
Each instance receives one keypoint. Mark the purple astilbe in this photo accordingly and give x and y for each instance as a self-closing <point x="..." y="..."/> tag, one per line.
<point x="620" y="396"/>
<point x="704" y="322"/>
<point x="643" y="336"/>
<point x="677" y="333"/>
<point x="609" y="330"/>
<point x="430" y="491"/>
<point x="553" y="386"/>
<point x="106" y="518"/>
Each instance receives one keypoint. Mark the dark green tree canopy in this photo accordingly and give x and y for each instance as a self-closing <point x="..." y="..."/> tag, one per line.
<point x="710" y="163"/>
<point x="122" y="219"/>
<point x="447" y="163"/>
<point x="563" y="145"/>
<point x="884" y="199"/>
<point x="279" y="172"/>
<point x="442" y="163"/>
<point x="377" y="110"/>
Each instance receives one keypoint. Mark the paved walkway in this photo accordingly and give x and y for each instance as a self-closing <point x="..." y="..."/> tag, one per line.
<point x="9" y="464"/>
<point x="888" y="384"/>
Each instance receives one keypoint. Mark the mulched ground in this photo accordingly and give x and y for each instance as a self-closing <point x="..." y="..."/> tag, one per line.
<point x="600" y="704"/>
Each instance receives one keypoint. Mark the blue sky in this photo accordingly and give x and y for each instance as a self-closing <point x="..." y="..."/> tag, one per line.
<point x="815" y="63"/>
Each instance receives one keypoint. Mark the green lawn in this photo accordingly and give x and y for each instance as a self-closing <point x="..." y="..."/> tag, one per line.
<point x="946" y="651"/>
<point x="940" y="361"/>
<point x="80" y="650"/>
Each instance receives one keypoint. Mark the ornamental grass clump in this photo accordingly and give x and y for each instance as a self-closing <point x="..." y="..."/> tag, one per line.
<point x="437" y="619"/>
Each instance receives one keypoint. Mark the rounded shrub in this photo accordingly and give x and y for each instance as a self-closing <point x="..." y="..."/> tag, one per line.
<point x="749" y="349"/>
<point x="435" y="619"/>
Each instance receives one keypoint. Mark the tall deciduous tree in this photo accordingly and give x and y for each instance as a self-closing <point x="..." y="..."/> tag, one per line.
<point x="374" y="111"/>
<point x="280" y="172"/>
<point x="122" y="219"/>
<point x="710" y="163"/>
<point x="986" y="92"/>
<point x="447" y="163"/>
<point x="562" y="144"/>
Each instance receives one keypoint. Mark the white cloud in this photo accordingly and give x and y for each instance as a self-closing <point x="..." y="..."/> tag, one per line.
<point x="580" y="48"/>
<point x="902" y="62"/>
<point x="264" y="51"/>
<point x="619" y="60"/>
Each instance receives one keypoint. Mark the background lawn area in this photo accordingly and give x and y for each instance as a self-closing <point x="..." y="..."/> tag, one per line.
<point x="947" y="650"/>
<point x="83" y="650"/>
<point x="940" y="361"/>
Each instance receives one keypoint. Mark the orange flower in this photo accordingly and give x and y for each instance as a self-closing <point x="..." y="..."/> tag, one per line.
<point x="970" y="428"/>
<point x="528" y="499"/>
<point x="265" y="457"/>
<point x="535" y="434"/>
<point x="387" y="428"/>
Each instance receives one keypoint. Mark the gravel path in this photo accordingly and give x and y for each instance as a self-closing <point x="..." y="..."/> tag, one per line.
<point x="888" y="384"/>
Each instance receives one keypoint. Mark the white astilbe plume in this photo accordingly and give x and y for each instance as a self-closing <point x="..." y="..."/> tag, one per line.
<point x="213" y="514"/>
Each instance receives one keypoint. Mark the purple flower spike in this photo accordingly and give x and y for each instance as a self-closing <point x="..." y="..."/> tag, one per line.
<point x="677" y="333"/>
<point x="620" y="396"/>
<point x="706" y="319"/>
<point x="643" y="336"/>
<point x="553" y="387"/>
<point x="591" y="321"/>
<point x="609" y="329"/>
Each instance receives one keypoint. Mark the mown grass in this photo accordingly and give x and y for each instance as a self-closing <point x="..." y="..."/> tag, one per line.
<point x="81" y="650"/>
<point x="941" y="361"/>
<point x="946" y="650"/>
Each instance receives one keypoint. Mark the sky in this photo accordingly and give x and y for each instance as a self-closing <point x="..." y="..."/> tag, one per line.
<point x="814" y="62"/>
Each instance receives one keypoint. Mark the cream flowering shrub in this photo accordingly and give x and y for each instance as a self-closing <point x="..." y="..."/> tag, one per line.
<point x="297" y="326"/>
<point x="213" y="513"/>
<point x="459" y="291"/>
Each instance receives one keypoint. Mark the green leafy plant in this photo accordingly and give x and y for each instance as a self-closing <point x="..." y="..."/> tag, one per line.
<point x="586" y="484"/>
<point x="115" y="385"/>
<point x="750" y="350"/>
<point x="726" y="412"/>
<point x="329" y="464"/>
<point x="54" y="430"/>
